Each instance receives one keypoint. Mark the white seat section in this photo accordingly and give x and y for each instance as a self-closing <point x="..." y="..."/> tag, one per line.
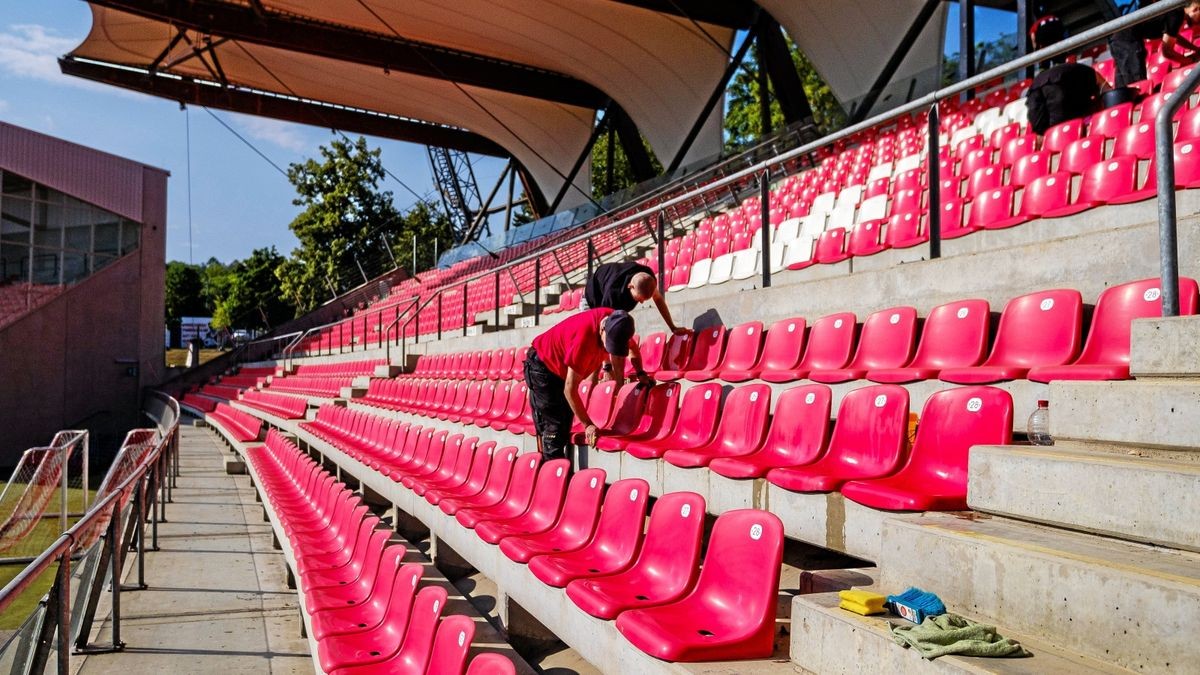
<point x="987" y="120"/>
<point x="962" y="135"/>
<point x="777" y="257"/>
<point x="745" y="263"/>
<point x="880" y="171"/>
<point x="1017" y="112"/>
<point x="874" y="208"/>
<point x="823" y="203"/>
<point x="842" y="217"/>
<point x="721" y="271"/>
<point x="848" y="198"/>
<point x="798" y="251"/>
<point x="700" y="272"/>
<point x="813" y="225"/>
<point x="907" y="163"/>
<point x="787" y="231"/>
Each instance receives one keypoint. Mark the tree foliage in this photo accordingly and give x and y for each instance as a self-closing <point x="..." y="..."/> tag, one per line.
<point x="184" y="292"/>
<point x="252" y="296"/>
<point x="622" y="172"/>
<point x="743" y="121"/>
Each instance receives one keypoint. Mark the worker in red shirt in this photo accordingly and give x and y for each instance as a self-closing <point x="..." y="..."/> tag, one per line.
<point x="562" y="358"/>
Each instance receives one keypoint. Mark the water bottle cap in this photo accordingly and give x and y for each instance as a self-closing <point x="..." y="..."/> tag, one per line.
<point x="1043" y="404"/>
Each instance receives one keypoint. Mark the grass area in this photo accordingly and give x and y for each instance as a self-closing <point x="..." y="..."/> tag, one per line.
<point x="177" y="358"/>
<point x="25" y="603"/>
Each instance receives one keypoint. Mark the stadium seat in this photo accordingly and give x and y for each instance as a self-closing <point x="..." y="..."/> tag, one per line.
<point x="665" y="569"/>
<point x="1081" y="154"/>
<point x="393" y="581"/>
<point x="869" y="441"/>
<point x="572" y="530"/>
<point x="491" y="663"/>
<point x="617" y="539"/>
<point x="492" y="491"/>
<point x="696" y="421"/>
<point x="1114" y="181"/>
<point x="1049" y="196"/>
<point x="746" y="263"/>
<point x="549" y="495"/>
<point x="1187" y="164"/>
<point x="831" y="247"/>
<point x="830" y="344"/>
<point x="652" y="348"/>
<point x="656" y="420"/>
<point x="526" y="473"/>
<point x="781" y="350"/>
<point x="708" y="346"/>
<point x="1030" y="167"/>
<point x="1136" y="141"/>
<point x="742" y="428"/>
<point x="721" y="271"/>
<point x="741" y="352"/>
<point x="675" y="360"/>
<point x="730" y="614"/>
<point x="1038" y="329"/>
<point x="935" y="476"/>
<point x="955" y="335"/>
<point x="381" y="642"/>
<point x="798" y="433"/>
<point x="450" y="647"/>
<point x="396" y="649"/>
<point x="599" y="408"/>
<point x="1110" y="122"/>
<point x="994" y="210"/>
<point x="906" y="230"/>
<point x="886" y="341"/>
<point x="1105" y="354"/>
<point x="1059" y="136"/>
<point x="701" y="270"/>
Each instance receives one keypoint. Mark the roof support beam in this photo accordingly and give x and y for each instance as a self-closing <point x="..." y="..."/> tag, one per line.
<point x="889" y="69"/>
<point x="632" y="144"/>
<point x="738" y="14"/>
<point x="584" y="155"/>
<point x="776" y="59"/>
<point x="282" y="31"/>
<point x="279" y="107"/>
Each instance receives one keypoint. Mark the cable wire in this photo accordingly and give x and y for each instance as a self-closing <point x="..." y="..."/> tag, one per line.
<point x="248" y="143"/>
<point x="187" y="122"/>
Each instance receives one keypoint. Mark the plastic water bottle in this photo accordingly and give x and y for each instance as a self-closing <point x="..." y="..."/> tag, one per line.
<point x="1039" y="425"/>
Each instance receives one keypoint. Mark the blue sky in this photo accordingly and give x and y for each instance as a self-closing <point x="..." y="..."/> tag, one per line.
<point x="239" y="201"/>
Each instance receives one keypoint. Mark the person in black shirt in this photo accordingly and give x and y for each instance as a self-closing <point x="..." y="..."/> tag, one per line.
<point x="1065" y="91"/>
<point x="1128" y="46"/>
<point x="624" y="286"/>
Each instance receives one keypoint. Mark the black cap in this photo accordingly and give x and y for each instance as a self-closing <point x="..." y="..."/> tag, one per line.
<point x="618" y="329"/>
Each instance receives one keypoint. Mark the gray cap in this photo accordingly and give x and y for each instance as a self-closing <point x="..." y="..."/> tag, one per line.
<point x="618" y="329"/>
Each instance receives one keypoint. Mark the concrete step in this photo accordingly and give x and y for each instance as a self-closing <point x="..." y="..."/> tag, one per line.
<point x="826" y="639"/>
<point x="1158" y="412"/>
<point x="1166" y="347"/>
<point x="1134" y="606"/>
<point x="387" y="371"/>
<point x="1075" y="486"/>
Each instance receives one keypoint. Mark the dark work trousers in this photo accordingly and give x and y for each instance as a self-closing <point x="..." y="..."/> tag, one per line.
<point x="1129" y="57"/>
<point x="552" y="415"/>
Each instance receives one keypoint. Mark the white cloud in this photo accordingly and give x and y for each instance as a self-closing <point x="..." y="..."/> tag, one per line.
<point x="283" y="134"/>
<point x="32" y="51"/>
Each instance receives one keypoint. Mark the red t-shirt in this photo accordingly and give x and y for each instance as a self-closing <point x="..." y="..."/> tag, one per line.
<point x="574" y="343"/>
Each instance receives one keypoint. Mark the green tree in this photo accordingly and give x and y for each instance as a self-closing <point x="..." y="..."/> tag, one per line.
<point x="427" y="224"/>
<point x="184" y="287"/>
<point x="253" y="298"/>
<point x="622" y="172"/>
<point x="743" y="122"/>
<point x="345" y="219"/>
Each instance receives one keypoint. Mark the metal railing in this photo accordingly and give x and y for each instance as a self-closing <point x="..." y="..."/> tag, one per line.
<point x="1164" y="159"/>
<point x="134" y="492"/>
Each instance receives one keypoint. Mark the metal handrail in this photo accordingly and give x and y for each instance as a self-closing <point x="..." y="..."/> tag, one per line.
<point x="1164" y="158"/>
<point x="291" y="346"/>
<point x="387" y="340"/>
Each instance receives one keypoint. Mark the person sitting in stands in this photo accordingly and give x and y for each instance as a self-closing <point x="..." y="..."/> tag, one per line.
<point x="624" y="286"/>
<point x="1128" y="46"/>
<point x="562" y="358"/>
<point x="1064" y="91"/>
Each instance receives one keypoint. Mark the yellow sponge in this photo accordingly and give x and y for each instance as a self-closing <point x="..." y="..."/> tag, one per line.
<point x="862" y="602"/>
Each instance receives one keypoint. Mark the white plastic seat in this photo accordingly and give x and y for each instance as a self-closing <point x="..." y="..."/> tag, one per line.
<point x="1017" y="112"/>
<point x="907" y="163"/>
<point x="701" y="269"/>
<point x="874" y="208"/>
<point x="842" y="217"/>
<point x="848" y="198"/>
<point x="823" y="203"/>
<point x="879" y="171"/>
<point x="787" y="231"/>
<point x="812" y="226"/>
<point x="798" y="251"/>
<point x="963" y="134"/>
<point x="745" y="263"/>
<point x="777" y="253"/>
<point x="722" y="269"/>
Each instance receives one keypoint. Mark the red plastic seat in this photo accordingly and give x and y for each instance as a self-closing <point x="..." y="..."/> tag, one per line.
<point x="955" y="335"/>
<point x="573" y="529"/>
<point x="666" y="567"/>
<point x="675" y="359"/>
<point x="742" y="428"/>
<point x="1049" y="196"/>
<point x="1105" y="355"/>
<point x="707" y="349"/>
<point x="905" y="230"/>
<point x="976" y="161"/>
<point x="548" y="497"/>
<point x="798" y="434"/>
<point x="1059" y="136"/>
<point x="1038" y="329"/>
<point x="1081" y="154"/>
<point x="830" y="247"/>
<point x="935" y="477"/>
<point x="656" y="420"/>
<point x="515" y="499"/>
<point x="490" y="663"/>
<point x="985" y="179"/>
<point x="782" y="349"/>
<point x="1015" y="148"/>
<point x="374" y="644"/>
<point x="492" y="491"/>
<point x="865" y="239"/>
<point x="731" y="612"/>
<point x="1115" y="181"/>
<point x="1110" y="122"/>
<point x="742" y="348"/>
<point x="391" y="584"/>
<point x="476" y="477"/>
<point x="652" y="348"/>
<point x="450" y="647"/>
<point x="599" y="409"/>
<point x="699" y="413"/>
<point x="952" y="223"/>
<point x="1030" y="167"/>
<point x="616" y="541"/>
<point x="830" y="343"/>
<point x="404" y="649"/>
<point x="886" y="341"/>
<point x="869" y="441"/>
<point x="1137" y="140"/>
<point x="993" y="210"/>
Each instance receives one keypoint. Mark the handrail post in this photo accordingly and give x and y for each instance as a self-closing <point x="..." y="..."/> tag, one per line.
<point x="1164" y="158"/>
<point x="935" y="185"/>
<point x="591" y="253"/>
<point x="537" y="284"/>
<point x="64" y="612"/>
<point x="466" y="298"/>
<point x="497" y="316"/>
<point x="765" y="229"/>
<point x="662" y="248"/>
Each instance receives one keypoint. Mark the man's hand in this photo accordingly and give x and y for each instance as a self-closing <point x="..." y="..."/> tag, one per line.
<point x="644" y="379"/>
<point x="590" y="432"/>
<point x="680" y="330"/>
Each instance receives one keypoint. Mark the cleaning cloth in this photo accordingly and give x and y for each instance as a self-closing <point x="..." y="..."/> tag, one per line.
<point x="861" y="602"/>
<point x="916" y="604"/>
<point x="953" y="634"/>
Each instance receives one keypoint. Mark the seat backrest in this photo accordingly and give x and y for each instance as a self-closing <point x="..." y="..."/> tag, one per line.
<point x="418" y="635"/>
<point x="830" y="342"/>
<point x="1109" y="179"/>
<point x="1109" y="122"/>
<point x="503" y="463"/>
<point x="1030" y="166"/>
<point x="871" y="429"/>
<point x="551" y="487"/>
<point x="744" y="418"/>
<point x="887" y="339"/>
<point x="1046" y="193"/>
<point x="679" y="349"/>
<point x="955" y="335"/>
<point x="600" y="405"/>
<point x="1108" y="341"/>
<point x="1081" y="154"/>
<point x="830" y="245"/>
<point x="619" y="530"/>
<point x="491" y="663"/>
<point x="699" y="413"/>
<point x="403" y="591"/>
<point x="651" y="349"/>
<point x="524" y="476"/>
<point x="800" y="427"/>
<point x="450" y="645"/>
<point x="742" y="348"/>
<point x="742" y="565"/>
<point x="1059" y="136"/>
<point x="1137" y="141"/>
<point x="660" y="412"/>
<point x="1039" y="329"/>
<point x="627" y="408"/>
<point x="671" y="550"/>
<point x="952" y="422"/>
<point x="708" y="347"/>
<point x="581" y="507"/>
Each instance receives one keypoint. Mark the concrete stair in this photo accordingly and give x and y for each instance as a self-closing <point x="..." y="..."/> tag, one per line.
<point x="1131" y="605"/>
<point x="1154" y="412"/>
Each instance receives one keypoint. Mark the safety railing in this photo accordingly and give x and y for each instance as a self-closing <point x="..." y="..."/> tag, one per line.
<point x="90" y="556"/>
<point x="29" y="491"/>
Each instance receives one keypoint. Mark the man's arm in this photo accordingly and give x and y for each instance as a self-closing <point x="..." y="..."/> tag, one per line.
<point x="661" y="303"/>
<point x="639" y="371"/>
<point x="571" y="391"/>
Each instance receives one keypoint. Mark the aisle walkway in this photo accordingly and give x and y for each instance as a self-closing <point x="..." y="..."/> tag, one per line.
<point x="217" y="601"/>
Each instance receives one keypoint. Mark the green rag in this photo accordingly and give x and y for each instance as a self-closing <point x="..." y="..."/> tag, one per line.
<point x="953" y="634"/>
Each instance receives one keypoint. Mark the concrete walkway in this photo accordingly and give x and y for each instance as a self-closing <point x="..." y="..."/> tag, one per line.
<point x="217" y="600"/>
